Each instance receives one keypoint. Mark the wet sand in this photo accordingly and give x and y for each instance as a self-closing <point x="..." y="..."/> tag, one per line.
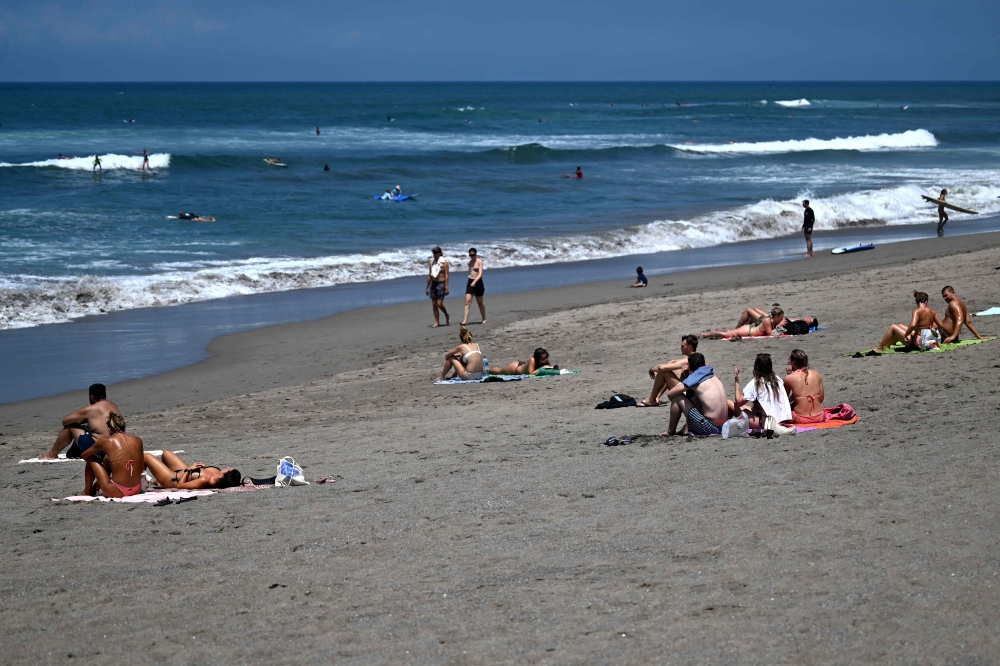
<point x="487" y="523"/>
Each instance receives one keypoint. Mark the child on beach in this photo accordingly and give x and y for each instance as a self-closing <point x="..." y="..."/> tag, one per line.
<point x="640" y="279"/>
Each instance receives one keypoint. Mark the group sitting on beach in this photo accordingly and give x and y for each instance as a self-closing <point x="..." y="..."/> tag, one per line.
<point x="927" y="330"/>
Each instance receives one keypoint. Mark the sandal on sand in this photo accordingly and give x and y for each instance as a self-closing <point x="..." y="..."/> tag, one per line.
<point x="645" y="403"/>
<point x="872" y="353"/>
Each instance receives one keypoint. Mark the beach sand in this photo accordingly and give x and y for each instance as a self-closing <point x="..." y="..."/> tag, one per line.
<point x="488" y="523"/>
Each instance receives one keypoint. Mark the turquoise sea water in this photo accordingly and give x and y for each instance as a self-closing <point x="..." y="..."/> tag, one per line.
<point x="667" y="166"/>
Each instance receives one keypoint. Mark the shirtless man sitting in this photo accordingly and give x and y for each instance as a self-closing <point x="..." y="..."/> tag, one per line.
<point x="805" y="389"/>
<point x="117" y="457"/>
<point x="701" y="397"/>
<point x="956" y="317"/>
<point x="758" y="328"/>
<point x="923" y="333"/>
<point x="665" y="376"/>
<point x="85" y="424"/>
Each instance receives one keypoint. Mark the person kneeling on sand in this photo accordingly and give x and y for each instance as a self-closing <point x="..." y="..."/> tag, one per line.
<point x="805" y="387"/>
<point x="665" y="376"/>
<point x="466" y="360"/>
<point x="761" y="327"/>
<point x="117" y="457"/>
<point x="173" y="473"/>
<point x="923" y="333"/>
<point x="956" y="316"/>
<point x="80" y="428"/>
<point x="538" y="360"/>
<point x="701" y="397"/>
<point x="763" y="396"/>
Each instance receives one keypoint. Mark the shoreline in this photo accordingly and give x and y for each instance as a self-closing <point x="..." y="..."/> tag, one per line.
<point x="272" y="356"/>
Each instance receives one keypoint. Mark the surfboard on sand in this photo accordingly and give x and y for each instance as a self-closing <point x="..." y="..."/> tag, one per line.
<point x="852" y="248"/>
<point x="952" y="206"/>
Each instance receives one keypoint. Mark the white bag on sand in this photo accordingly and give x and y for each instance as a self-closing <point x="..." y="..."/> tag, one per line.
<point x="289" y="473"/>
<point x="738" y="426"/>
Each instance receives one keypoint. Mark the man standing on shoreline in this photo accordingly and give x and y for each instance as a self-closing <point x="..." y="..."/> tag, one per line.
<point x="84" y="425"/>
<point x="437" y="286"/>
<point x="475" y="286"/>
<point x="807" y="227"/>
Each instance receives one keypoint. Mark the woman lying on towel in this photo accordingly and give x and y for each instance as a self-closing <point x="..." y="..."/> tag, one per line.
<point x="755" y="316"/>
<point x="764" y="396"/>
<point x="538" y="360"/>
<point x="173" y="473"/>
<point x="114" y="463"/>
<point x="805" y="387"/>
<point x="758" y="328"/>
<point x="466" y="360"/>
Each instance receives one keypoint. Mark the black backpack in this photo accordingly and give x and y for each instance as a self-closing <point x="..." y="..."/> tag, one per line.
<point x="617" y="400"/>
<point x="797" y="327"/>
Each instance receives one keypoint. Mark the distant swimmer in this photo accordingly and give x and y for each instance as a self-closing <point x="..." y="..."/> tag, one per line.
<point x="272" y="160"/>
<point x="97" y="164"/>
<point x="65" y="157"/>
<point x="128" y="120"/>
<point x="317" y="131"/>
<point x="578" y="172"/>
<point x="194" y="217"/>
<point x="326" y="167"/>
<point x="942" y="214"/>
<point x="389" y="118"/>
<point x="468" y="122"/>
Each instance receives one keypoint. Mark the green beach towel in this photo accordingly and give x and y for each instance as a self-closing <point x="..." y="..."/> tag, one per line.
<point x="948" y="346"/>
<point x="552" y="372"/>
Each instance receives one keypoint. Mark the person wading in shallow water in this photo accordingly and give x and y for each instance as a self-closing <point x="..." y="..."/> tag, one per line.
<point x="437" y="286"/>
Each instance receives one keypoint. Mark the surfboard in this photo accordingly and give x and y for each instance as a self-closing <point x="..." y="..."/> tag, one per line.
<point x="566" y="175"/>
<point x="400" y="198"/>
<point x="278" y="164"/>
<point x="146" y="172"/>
<point x="853" y="248"/>
<point x="949" y="205"/>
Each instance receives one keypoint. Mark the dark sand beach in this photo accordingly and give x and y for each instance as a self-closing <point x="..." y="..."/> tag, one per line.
<point x="488" y="523"/>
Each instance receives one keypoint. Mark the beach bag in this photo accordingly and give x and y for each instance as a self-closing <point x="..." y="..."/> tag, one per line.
<point x="289" y="473"/>
<point x="842" y="412"/>
<point x="797" y="327"/>
<point x="617" y="400"/>
<point x="738" y="426"/>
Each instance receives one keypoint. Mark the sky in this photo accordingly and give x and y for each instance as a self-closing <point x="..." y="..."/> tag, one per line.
<point x="511" y="40"/>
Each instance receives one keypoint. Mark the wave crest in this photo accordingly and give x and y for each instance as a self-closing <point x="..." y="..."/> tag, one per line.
<point x="793" y="102"/>
<point x="108" y="162"/>
<point x="918" y="138"/>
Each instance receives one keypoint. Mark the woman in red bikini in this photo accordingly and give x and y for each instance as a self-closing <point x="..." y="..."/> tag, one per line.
<point x="114" y="463"/>
<point x="805" y="389"/>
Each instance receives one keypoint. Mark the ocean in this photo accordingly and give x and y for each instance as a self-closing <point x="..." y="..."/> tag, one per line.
<point x="667" y="167"/>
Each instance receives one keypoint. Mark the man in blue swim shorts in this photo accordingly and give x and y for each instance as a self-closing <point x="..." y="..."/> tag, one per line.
<point x="82" y="427"/>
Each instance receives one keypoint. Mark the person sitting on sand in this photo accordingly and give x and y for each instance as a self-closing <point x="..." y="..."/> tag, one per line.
<point x="114" y="463"/>
<point x="956" y="316"/>
<point x="701" y="397"/>
<point x="923" y="333"/>
<point x="538" y="360"/>
<point x="174" y="474"/>
<point x="667" y="375"/>
<point x="805" y="388"/>
<point x="763" y="396"/>
<point x="757" y="328"/>
<point x="640" y="278"/>
<point x="80" y="428"/>
<point x="466" y="360"/>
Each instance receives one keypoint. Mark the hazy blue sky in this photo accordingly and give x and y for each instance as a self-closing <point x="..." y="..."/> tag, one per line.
<point x="252" y="40"/>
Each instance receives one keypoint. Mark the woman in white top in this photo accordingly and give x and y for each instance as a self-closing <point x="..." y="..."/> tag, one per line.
<point x="466" y="360"/>
<point x="765" y="394"/>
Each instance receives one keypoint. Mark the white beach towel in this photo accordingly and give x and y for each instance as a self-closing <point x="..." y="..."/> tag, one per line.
<point x="62" y="458"/>
<point x="141" y="498"/>
<point x="991" y="311"/>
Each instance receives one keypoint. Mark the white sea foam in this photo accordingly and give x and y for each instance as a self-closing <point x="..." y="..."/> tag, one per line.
<point x="919" y="138"/>
<point x="108" y="162"/>
<point x="30" y="300"/>
<point x="793" y="102"/>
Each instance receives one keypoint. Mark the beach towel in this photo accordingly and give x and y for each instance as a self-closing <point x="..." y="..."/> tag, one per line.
<point x="62" y="458"/>
<point x="142" y="498"/>
<point x="900" y="348"/>
<point x="841" y="415"/>
<point x="508" y="378"/>
<point x="987" y="313"/>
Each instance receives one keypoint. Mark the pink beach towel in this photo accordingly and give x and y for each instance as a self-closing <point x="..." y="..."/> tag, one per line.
<point x="141" y="498"/>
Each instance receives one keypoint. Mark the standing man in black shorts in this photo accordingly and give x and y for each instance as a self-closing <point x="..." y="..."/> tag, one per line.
<point x="475" y="286"/>
<point x="807" y="227"/>
<point x="437" y="286"/>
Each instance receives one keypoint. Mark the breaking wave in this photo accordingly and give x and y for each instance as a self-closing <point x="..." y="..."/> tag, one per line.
<point x="793" y="102"/>
<point x="29" y="301"/>
<point x="108" y="162"/>
<point x="918" y="138"/>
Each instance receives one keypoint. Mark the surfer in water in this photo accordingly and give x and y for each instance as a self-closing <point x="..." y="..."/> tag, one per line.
<point x="145" y="160"/>
<point x="397" y="191"/>
<point x="272" y="160"/>
<point x="578" y="173"/>
<point x="97" y="164"/>
<point x="194" y="217"/>
<point x="317" y="131"/>
<point x="807" y="227"/>
<point x="942" y="214"/>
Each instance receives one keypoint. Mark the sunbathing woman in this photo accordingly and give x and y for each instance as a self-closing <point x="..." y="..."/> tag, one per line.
<point x="114" y="463"/>
<point x="755" y="316"/>
<point x="923" y="333"/>
<point x="465" y="360"/>
<point x="759" y="328"/>
<point x="763" y="396"/>
<point x="538" y="360"/>
<point x="805" y="388"/>
<point x="174" y="474"/>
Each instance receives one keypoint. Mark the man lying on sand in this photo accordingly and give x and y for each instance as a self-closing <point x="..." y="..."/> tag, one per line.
<point x="701" y="397"/>
<point x="761" y="327"/>
<point x="538" y="360"/>
<point x="82" y="426"/>
<point x="955" y="317"/>
<point x="923" y="333"/>
<point x="805" y="389"/>
<point x="114" y="463"/>
<point x="667" y="375"/>
<point x="173" y="473"/>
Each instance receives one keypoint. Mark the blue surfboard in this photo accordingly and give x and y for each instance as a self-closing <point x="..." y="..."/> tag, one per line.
<point x="854" y="248"/>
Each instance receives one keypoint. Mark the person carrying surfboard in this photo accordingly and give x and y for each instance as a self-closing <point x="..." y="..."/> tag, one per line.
<point x="942" y="214"/>
<point x="807" y="227"/>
